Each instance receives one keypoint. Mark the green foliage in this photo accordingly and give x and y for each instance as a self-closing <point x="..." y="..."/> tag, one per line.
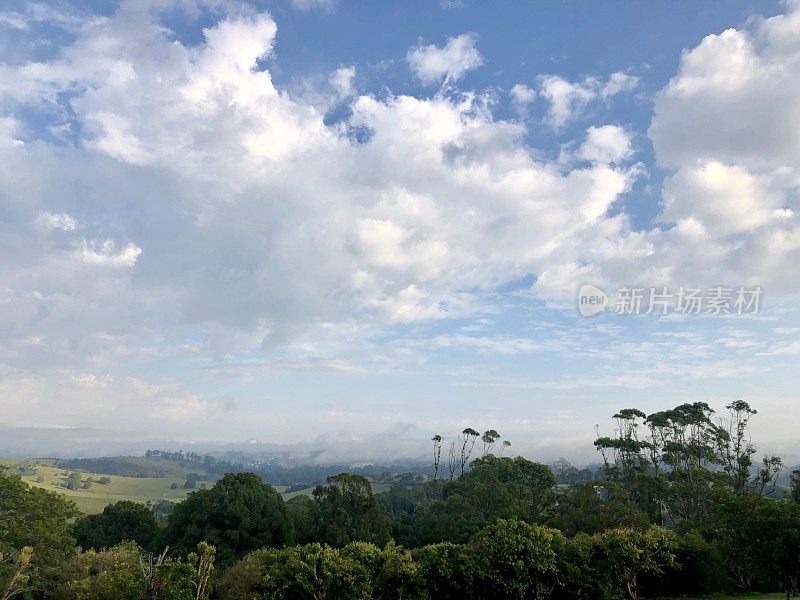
<point x="16" y="573"/>
<point x="760" y="540"/>
<point x="404" y="505"/>
<point x="494" y="488"/>
<point x="113" y="574"/>
<point x="240" y="513"/>
<point x="794" y="485"/>
<point x="346" y="510"/>
<point x="628" y="553"/>
<point x="121" y="521"/>
<point x="311" y="571"/>
<point x="512" y="559"/>
<point x="391" y="571"/>
<point x="582" y="575"/>
<point x="124" y="572"/>
<point x="594" y="507"/>
<point x="676" y="462"/>
<point x="32" y="518"/>
<point x="698" y="568"/>
<point x="445" y="569"/>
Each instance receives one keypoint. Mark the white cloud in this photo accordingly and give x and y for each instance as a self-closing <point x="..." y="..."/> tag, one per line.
<point x="210" y="201"/>
<point x="617" y="83"/>
<point x="569" y="99"/>
<point x="605" y="144"/>
<point x="61" y="221"/>
<point x="307" y="5"/>
<point x="219" y="213"/>
<point x="521" y="97"/>
<point x="432" y="64"/>
<point x="116" y="139"/>
<point x="104" y="253"/>
<point x="522" y="94"/>
<point x="342" y="81"/>
<point x="726" y="122"/>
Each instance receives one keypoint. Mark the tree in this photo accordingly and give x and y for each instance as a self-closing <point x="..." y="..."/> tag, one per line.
<point x="489" y="438"/>
<point x="345" y="510"/>
<point x="446" y="570"/>
<point x="493" y="488"/>
<point x="18" y="575"/>
<point x="120" y="521"/>
<point x="513" y="559"/>
<point x="391" y="571"/>
<point x="35" y="533"/>
<point x="452" y="460"/>
<point x="629" y="553"/>
<point x="759" y="539"/>
<point x="591" y="508"/>
<point x="112" y="574"/>
<point x="685" y="460"/>
<point x="240" y="513"/>
<point x="564" y="471"/>
<point x="437" y="454"/>
<point x="467" y="441"/>
<point x="794" y="485"/>
<point x="310" y="572"/>
<point x="736" y="451"/>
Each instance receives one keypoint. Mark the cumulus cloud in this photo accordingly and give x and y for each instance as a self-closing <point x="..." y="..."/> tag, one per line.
<point x="605" y="144"/>
<point x="569" y="99"/>
<point x="727" y="123"/>
<point x="342" y="81"/>
<point x="200" y="210"/>
<point x="432" y="64"/>
<point x="521" y="97"/>
<point x="207" y="196"/>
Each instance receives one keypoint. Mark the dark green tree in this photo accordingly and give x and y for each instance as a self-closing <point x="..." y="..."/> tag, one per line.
<point x="759" y="540"/>
<point x="594" y="507"/>
<point x="240" y="513"/>
<point x="628" y="554"/>
<point x="493" y="488"/>
<point x="120" y="521"/>
<point x="512" y="559"/>
<point x="35" y="530"/>
<point x="345" y="510"/>
<point x="794" y="485"/>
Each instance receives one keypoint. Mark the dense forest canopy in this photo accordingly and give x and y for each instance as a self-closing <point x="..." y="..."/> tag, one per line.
<point x="680" y="505"/>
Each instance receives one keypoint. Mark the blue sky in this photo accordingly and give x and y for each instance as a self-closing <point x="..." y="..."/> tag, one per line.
<point x="353" y="225"/>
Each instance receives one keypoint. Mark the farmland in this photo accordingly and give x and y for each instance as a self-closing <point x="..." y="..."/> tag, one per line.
<point x="94" y="498"/>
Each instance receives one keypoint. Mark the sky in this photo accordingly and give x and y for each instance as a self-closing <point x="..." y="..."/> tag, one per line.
<point x="349" y="226"/>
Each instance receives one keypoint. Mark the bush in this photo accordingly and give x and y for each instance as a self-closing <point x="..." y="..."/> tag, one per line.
<point x="120" y="521"/>
<point x="113" y="574"/>
<point x="513" y="559"/>
<point x="445" y="570"/>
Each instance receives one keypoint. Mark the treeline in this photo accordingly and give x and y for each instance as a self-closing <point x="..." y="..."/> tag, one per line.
<point x="296" y="476"/>
<point x="682" y="509"/>
<point x="116" y="466"/>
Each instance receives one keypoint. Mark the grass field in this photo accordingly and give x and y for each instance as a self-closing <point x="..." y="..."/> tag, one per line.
<point x="137" y="489"/>
<point x="94" y="499"/>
